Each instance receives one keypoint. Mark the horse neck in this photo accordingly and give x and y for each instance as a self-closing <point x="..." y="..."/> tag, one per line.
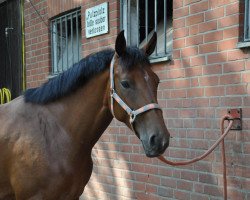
<point x="85" y="113"/>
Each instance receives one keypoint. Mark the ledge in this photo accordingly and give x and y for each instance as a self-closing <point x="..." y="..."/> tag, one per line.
<point x="161" y="59"/>
<point x="243" y="44"/>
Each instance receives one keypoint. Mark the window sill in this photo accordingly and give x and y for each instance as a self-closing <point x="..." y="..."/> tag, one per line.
<point x="161" y="59"/>
<point x="52" y="76"/>
<point x="243" y="44"/>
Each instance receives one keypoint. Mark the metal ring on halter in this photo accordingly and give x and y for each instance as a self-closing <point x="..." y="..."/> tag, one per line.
<point x="132" y="117"/>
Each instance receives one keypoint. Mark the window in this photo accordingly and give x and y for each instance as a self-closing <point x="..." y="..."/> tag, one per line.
<point x="140" y="18"/>
<point x="247" y="21"/>
<point x="66" y="40"/>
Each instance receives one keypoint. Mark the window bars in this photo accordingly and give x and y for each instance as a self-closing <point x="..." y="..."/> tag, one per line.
<point x="140" y="18"/>
<point x="247" y="21"/>
<point x="65" y="41"/>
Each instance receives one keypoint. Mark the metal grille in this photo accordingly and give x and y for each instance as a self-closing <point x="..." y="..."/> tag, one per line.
<point x="247" y="21"/>
<point x="65" y="41"/>
<point x="140" y="18"/>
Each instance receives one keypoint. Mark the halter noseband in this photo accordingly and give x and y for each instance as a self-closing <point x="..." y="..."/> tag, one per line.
<point x="132" y="113"/>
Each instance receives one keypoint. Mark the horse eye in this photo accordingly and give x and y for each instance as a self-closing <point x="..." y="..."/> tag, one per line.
<point x="125" y="84"/>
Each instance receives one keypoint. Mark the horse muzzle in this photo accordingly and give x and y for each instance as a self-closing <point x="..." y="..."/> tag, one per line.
<point x="155" y="145"/>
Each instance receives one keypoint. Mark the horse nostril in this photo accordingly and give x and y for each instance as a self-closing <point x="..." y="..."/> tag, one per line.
<point x="152" y="140"/>
<point x="165" y="143"/>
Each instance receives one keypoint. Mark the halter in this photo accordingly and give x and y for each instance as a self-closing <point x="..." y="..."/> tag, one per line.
<point x="132" y="113"/>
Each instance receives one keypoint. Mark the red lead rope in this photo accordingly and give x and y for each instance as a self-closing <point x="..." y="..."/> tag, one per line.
<point x="221" y="139"/>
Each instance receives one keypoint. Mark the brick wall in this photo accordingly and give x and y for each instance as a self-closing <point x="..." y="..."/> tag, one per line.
<point x="207" y="75"/>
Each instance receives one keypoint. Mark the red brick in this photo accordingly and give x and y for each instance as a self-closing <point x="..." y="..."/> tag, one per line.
<point x="232" y="32"/>
<point x="184" y="185"/>
<point x="180" y="33"/>
<point x="208" y="48"/>
<point x="213" y="36"/>
<point x="187" y="113"/>
<point x="237" y="55"/>
<point x="209" y="80"/>
<point x="208" y="178"/>
<point x="214" y="14"/>
<point x="180" y="12"/>
<point x="236" y="66"/>
<point x="212" y="69"/>
<point x="236" y="90"/>
<point x="199" y="7"/>
<point x="198" y="60"/>
<point x="178" y="194"/>
<point x="179" y="73"/>
<point x="215" y="91"/>
<point x="230" y="79"/>
<point x="231" y="101"/>
<point x="195" y="19"/>
<point x="218" y="3"/>
<point x="178" y="23"/>
<point x="179" y="43"/>
<point x="216" y="58"/>
<point x="177" y="4"/>
<point x="228" y="21"/>
<point x="246" y="77"/>
<point x="227" y="44"/>
<point x="194" y="40"/>
<point x="195" y="92"/>
<point x="182" y="83"/>
<point x="193" y="71"/>
<point x="232" y="8"/>
<point x="178" y="94"/>
<point x="207" y="26"/>
<point x="189" y="51"/>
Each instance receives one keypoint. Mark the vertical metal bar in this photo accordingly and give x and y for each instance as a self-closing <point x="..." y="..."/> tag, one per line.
<point x="52" y="46"/>
<point x="138" y="25"/>
<point x="121" y="15"/>
<point x="156" y="24"/>
<point x="129" y="22"/>
<point x="146" y="16"/>
<point x="61" y="42"/>
<point x="72" y="37"/>
<point x="57" y="46"/>
<point x="66" y="27"/>
<point x="246" y="21"/>
<point x="165" y="27"/>
<point x="77" y="35"/>
<point x="248" y="24"/>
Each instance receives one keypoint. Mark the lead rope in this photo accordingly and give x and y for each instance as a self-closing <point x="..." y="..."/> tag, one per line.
<point x="221" y="139"/>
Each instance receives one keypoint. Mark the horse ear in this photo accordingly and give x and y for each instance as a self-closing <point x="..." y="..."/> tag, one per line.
<point x="120" y="44"/>
<point x="150" y="46"/>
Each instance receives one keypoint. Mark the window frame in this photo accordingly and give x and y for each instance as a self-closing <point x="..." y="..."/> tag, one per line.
<point x="167" y="55"/>
<point x="245" y="40"/>
<point x="247" y="21"/>
<point x="62" y="19"/>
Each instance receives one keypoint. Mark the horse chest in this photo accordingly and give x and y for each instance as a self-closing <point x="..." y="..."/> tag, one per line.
<point x="72" y="178"/>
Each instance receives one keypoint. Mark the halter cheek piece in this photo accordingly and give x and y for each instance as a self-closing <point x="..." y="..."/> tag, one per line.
<point x="132" y="113"/>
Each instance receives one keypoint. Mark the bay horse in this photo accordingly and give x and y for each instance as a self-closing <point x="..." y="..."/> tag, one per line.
<point x="47" y="134"/>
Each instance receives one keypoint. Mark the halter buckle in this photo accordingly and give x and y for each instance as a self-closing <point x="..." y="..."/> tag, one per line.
<point x="112" y="91"/>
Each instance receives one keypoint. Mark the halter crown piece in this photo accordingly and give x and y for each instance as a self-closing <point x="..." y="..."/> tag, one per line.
<point x="132" y="113"/>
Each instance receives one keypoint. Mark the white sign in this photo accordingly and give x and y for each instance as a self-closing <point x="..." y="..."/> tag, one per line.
<point x="96" y="20"/>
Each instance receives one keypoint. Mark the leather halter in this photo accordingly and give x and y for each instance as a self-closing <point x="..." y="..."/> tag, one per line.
<point x="132" y="113"/>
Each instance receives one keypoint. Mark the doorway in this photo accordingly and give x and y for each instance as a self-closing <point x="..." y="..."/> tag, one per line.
<point x="10" y="47"/>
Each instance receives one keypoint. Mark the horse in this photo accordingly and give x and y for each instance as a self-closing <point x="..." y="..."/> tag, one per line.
<point x="47" y="134"/>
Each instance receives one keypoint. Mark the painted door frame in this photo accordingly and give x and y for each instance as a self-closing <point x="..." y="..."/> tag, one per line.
<point x="13" y="42"/>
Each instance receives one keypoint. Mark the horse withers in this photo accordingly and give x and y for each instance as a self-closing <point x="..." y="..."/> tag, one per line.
<point x="46" y="135"/>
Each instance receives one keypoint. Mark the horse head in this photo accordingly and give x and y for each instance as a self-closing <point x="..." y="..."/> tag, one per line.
<point x="133" y="100"/>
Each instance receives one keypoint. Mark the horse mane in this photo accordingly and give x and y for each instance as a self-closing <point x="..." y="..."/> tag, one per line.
<point x="76" y="76"/>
